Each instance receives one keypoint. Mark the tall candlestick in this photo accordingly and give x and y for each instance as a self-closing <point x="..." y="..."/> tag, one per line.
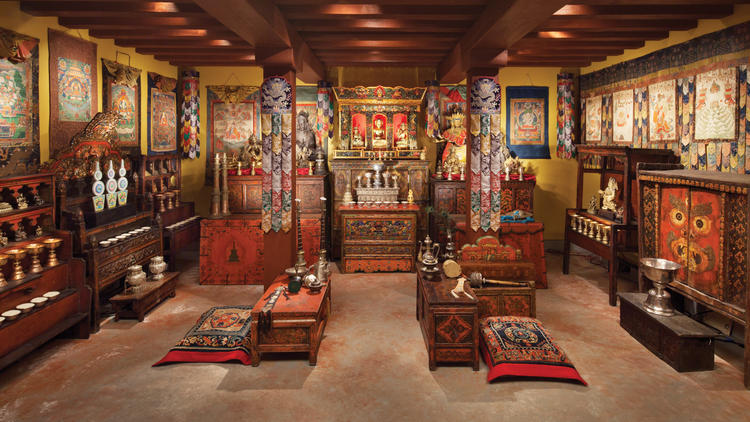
<point x="225" y="187"/>
<point x="216" y="195"/>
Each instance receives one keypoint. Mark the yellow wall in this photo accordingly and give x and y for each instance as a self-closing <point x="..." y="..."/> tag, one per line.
<point x="555" y="178"/>
<point x="194" y="171"/>
<point x="12" y="18"/>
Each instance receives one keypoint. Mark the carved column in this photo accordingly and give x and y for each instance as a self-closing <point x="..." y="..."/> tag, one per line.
<point x="278" y="108"/>
<point x="483" y="105"/>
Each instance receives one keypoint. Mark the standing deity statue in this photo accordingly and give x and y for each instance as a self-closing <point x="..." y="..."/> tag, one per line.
<point x="455" y="138"/>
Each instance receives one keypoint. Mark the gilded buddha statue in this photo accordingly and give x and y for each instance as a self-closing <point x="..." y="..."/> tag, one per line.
<point x="402" y="136"/>
<point x="357" y="138"/>
<point x="378" y="134"/>
<point x="455" y="138"/>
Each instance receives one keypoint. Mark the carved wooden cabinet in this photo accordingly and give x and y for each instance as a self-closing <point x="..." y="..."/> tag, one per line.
<point x="450" y="196"/>
<point x="232" y="248"/>
<point x="701" y="220"/>
<point x="502" y="301"/>
<point x="158" y="179"/>
<point x="344" y="175"/>
<point x="450" y="325"/>
<point x="607" y="162"/>
<point x="24" y="225"/>
<point x="378" y="238"/>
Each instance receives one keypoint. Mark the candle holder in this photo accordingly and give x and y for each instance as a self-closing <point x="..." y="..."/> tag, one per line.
<point x="17" y="255"/>
<point x="3" y="261"/>
<point x="661" y="272"/>
<point x="169" y="199"/>
<point x="605" y="236"/>
<point x="52" y="244"/>
<point x="160" y="200"/>
<point x="34" y="250"/>
<point x="599" y="232"/>
<point x="573" y="220"/>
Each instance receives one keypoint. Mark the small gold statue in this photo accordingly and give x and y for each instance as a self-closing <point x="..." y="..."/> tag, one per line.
<point x="356" y="138"/>
<point x="378" y="134"/>
<point x="451" y="164"/>
<point x="594" y="204"/>
<point x="609" y="194"/>
<point x="402" y="136"/>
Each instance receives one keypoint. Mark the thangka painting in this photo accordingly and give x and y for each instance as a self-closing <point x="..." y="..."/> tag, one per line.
<point x="74" y="90"/>
<point x="72" y="84"/>
<point x="233" y="113"/>
<point x="594" y="119"/>
<point x="306" y="122"/>
<point x="526" y="121"/>
<point x="716" y="104"/>
<point x="19" y="104"/>
<point x="122" y="87"/>
<point x="162" y="119"/>
<point x="623" y="116"/>
<point x="662" y="113"/>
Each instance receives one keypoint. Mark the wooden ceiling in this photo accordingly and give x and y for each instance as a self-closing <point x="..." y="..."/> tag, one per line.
<point x="451" y="36"/>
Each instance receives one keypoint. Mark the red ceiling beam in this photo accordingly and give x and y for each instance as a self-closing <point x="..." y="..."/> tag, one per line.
<point x="648" y="11"/>
<point x="379" y="25"/>
<point x="567" y="43"/>
<point x="423" y="3"/>
<point x="565" y="52"/>
<point x="218" y="44"/>
<point x="575" y="23"/>
<point x="151" y="33"/>
<point x="110" y="8"/>
<point x="497" y="29"/>
<point x="218" y="59"/>
<point x="194" y="52"/>
<point x="611" y="35"/>
<point x="277" y="43"/>
<point x="371" y="11"/>
<point x="152" y="21"/>
<point x="211" y="63"/>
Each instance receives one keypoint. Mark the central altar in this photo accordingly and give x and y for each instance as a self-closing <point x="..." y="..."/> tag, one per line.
<point x="378" y="161"/>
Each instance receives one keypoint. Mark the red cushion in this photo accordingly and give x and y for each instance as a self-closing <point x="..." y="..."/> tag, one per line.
<point x="520" y="346"/>
<point x="221" y="334"/>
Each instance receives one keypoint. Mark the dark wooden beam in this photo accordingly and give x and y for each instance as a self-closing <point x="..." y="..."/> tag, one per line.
<point x="372" y="11"/>
<point x="182" y="43"/>
<point x="194" y="52"/>
<point x="567" y="52"/>
<point x="565" y="43"/>
<point x="403" y="44"/>
<point x="152" y="33"/>
<point x="553" y="59"/>
<point x="217" y="59"/>
<point x="536" y="63"/>
<point x="262" y="24"/>
<point x="204" y="22"/>
<point x="579" y="23"/>
<point x="611" y="35"/>
<point x="379" y="25"/>
<point x="648" y="11"/>
<point x="497" y="29"/>
<point x="111" y="8"/>
<point x="424" y="3"/>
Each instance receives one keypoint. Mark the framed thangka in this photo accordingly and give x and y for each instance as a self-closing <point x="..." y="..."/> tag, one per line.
<point x="622" y="112"/>
<point x="19" y="104"/>
<point x="662" y="111"/>
<point x="233" y="113"/>
<point x="162" y="114"/>
<point x="121" y="92"/>
<point x="72" y="85"/>
<point x="594" y="119"/>
<point x="716" y="104"/>
<point x="526" y="121"/>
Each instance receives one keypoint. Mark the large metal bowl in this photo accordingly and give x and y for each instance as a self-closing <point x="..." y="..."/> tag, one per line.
<point x="659" y="270"/>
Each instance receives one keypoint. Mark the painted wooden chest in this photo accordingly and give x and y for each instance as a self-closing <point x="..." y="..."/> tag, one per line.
<point x="378" y="238"/>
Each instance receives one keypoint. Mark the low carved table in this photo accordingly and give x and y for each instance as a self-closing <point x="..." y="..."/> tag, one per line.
<point x="297" y="323"/>
<point x="450" y="325"/>
<point x="136" y="305"/>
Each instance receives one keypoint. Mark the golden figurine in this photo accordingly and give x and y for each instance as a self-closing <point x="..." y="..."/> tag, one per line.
<point x="609" y="194"/>
<point x="402" y="136"/>
<point x="452" y="164"/>
<point x="357" y="138"/>
<point x="378" y="134"/>
<point x="455" y="138"/>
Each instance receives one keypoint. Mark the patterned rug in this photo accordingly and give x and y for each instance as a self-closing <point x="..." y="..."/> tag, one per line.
<point x="521" y="347"/>
<point x="221" y="334"/>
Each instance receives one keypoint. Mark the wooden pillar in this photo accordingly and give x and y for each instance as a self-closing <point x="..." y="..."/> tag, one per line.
<point x="480" y="103"/>
<point x="278" y="106"/>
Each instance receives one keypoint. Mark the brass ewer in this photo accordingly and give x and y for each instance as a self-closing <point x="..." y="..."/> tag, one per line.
<point x="34" y="250"/>
<point x="661" y="272"/>
<point x="17" y="255"/>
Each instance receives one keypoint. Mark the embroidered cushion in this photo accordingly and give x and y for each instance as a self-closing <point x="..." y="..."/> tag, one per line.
<point x="520" y="346"/>
<point x="221" y="334"/>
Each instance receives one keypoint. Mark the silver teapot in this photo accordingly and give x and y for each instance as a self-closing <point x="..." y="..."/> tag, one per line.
<point x="429" y="252"/>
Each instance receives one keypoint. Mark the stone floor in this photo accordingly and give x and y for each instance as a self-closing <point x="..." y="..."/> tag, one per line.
<point x="372" y="366"/>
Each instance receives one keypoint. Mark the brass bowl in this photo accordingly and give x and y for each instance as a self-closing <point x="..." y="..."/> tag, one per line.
<point x="52" y="243"/>
<point x="17" y="255"/>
